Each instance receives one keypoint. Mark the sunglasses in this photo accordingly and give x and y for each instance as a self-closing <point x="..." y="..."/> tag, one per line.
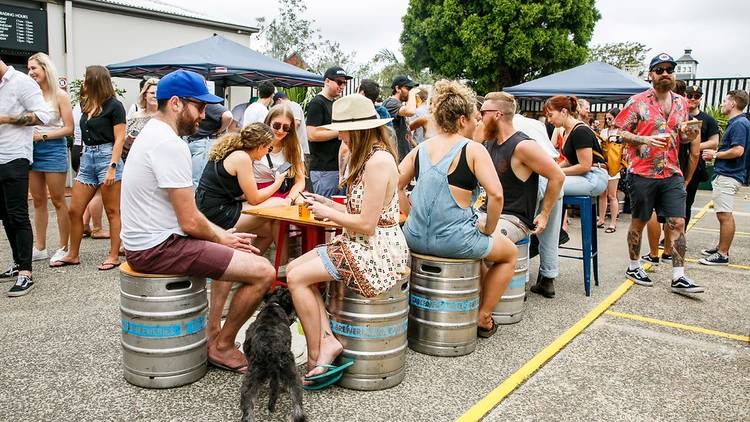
<point x="695" y="96"/>
<point x="281" y="126"/>
<point x="340" y="82"/>
<point x="661" y="70"/>
<point x="200" y="105"/>
<point x="487" y="111"/>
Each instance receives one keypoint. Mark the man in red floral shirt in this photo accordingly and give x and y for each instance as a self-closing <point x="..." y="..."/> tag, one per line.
<point x="653" y="124"/>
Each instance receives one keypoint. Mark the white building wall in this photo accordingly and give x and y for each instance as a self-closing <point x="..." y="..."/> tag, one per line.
<point x="103" y="38"/>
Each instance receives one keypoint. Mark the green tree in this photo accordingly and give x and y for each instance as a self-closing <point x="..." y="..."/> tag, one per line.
<point x="392" y="66"/>
<point x="629" y="56"/>
<point x="497" y="43"/>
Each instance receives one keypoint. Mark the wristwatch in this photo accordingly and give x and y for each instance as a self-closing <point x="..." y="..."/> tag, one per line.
<point x="44" y="137"/>
<point x="113" y="165"/>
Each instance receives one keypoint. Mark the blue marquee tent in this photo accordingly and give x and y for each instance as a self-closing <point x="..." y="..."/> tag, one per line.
<point x="221" y="60"/>
<point x="596" y="81"/>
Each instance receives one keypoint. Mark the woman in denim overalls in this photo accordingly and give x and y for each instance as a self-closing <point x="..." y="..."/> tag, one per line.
<point x="442" y="221"/>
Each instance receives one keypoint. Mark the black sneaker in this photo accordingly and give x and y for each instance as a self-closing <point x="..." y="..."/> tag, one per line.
<point x="715" y="259"/>
<point x="23" y="285"/>
<point x="685" y="285"/>
<point x="654" y="260"/>
<point x="564" y="237"/>
<point x="709" y="252"/>
<point x="638" y="276"/>
<point x="11" y="272"/>
<point x="667" y="259"/>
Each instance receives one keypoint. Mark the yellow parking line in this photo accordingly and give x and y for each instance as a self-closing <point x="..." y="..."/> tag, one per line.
<point x="739" y="267"/>
<point x="679" y="326"/>
<point x="484" y="406"/>
<point x="693" y="221"/>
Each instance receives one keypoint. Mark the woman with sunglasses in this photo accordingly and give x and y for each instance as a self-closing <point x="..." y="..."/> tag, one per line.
<point x="228" y="185"/>
<point x="285" y="149"/>
<point x="50" y="167"/>
<point x="610" y="140"/>
<point x="147" y="107"/>
<point x="103" y="133"/>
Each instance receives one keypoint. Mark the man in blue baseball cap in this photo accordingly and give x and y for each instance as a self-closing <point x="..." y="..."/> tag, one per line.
<point x="164" y="233"/>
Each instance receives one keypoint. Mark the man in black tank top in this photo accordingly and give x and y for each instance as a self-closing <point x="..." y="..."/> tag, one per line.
<point x="519" y="162"/>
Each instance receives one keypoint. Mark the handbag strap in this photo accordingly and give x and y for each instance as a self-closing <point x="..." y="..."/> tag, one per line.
<point x="270" y="163"/>
<point x="221" y="183"/>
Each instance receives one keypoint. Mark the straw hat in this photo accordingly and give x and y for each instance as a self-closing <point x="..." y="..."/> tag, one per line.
<point x="354" y="112"/>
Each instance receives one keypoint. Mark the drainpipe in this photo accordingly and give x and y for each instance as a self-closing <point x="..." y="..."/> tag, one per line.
<point x="69" y="62"/>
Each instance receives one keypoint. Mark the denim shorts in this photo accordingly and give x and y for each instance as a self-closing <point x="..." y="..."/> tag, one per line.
<point x="326" y="183"/>
<point x="51" y="156"/>
<point x="95" y="163"/>
<point x="323" y="254"/>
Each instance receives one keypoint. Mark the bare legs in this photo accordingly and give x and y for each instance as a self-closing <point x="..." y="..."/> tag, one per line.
<point x="726" y="231"/>
<point x="303" y="275"/>
<point x="39" y="183"/>
<point x="92" y="218"/>
<point x="496" y="279"/>
<point x="609" y="196"/>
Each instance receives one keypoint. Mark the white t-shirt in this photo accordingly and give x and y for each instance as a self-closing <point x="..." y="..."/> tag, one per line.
<point x="262" y="172"/>
<point x="77" y="140"/>
<point x="255" y="112"/>
<point x="536" y="131"/>
<point x="19" y="94"/>
<point x="158" y="160"/>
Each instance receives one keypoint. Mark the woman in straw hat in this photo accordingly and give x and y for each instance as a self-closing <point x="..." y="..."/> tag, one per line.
<point x="449" y="169"/>
<point x="370" y="256"/>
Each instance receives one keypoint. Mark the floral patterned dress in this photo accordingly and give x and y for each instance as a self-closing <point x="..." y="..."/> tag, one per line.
<point x="370" y="265"/>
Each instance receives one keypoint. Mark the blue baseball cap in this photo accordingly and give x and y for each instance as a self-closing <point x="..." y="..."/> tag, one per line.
<point x="661" y="58"/>
<point x="184" y="83"/>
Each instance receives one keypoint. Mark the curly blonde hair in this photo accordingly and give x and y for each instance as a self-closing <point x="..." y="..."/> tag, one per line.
<point x="450" y="101"/>
<point x="252" y="136"/>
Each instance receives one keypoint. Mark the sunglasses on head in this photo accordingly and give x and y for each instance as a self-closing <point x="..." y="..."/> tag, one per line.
<point x="280" y="126"/>
<point x="661" y="70"/>
<point x="693" y="96"/>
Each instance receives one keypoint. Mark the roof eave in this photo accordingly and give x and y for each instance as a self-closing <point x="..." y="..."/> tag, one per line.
<point x="95" y="5"/>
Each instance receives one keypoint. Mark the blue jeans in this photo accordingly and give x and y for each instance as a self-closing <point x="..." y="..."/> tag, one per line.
<point x="549" y="260"/>
<point x="95" y="163"/>
<point x="199" y="157"/>
<point x="325" y="183"/>
<point x="592" y="183"/>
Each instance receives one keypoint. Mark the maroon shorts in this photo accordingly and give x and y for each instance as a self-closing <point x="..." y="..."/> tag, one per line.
<point x="182" y="255"/>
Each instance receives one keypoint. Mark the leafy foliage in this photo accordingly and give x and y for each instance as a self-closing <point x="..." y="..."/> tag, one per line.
<point x="497" y="43"/>
<point x="629" y="56"/>
<point x="721" y="118"/>
<point x="74" y="90"/>
<point x="392" y="66"/>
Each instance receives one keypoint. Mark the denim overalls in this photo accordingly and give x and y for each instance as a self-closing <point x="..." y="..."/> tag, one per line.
<point x="437" y="225"/>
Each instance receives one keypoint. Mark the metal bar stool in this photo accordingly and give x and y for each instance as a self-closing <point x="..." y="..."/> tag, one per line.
<point x="589" y="247"/>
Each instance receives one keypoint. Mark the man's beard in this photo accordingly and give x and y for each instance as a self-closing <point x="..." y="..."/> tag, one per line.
<point x="185" y="125"/>
<point x="490" y="130"/>
<point x="664" y="84"/>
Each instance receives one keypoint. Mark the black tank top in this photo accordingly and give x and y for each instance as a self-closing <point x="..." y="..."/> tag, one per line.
<point x="217" y="187"/>
<point x="462" y="177"/>
<point x="520" y="196"/>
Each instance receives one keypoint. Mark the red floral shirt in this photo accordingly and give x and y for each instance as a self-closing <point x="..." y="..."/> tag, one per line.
<point x="643" y="116"/>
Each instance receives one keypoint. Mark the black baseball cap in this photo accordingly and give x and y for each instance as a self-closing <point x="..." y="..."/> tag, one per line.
<point x="403" y="80"/>
<point x="336" y="72"/>
<point x="661" y="58"/>
<point x="279" y="95"/>
<point x="694" y="89"/>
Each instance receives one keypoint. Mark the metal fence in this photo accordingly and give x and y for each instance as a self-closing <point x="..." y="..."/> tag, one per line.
<point x="714" y="90"/>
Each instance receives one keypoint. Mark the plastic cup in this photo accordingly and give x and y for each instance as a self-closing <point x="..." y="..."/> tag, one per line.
<point x="304" y="212"/>
<point x="340" y="199"/>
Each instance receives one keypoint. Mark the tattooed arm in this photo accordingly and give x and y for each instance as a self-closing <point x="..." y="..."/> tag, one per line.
<point x="638" y="140"/>
<point x="26" y="118"/>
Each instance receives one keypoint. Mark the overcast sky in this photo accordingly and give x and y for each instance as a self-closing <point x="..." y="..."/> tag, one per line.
<point x="716" y="30"/>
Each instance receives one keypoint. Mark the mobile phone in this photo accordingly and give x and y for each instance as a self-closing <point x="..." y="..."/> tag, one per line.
<point x="284" y="167"/>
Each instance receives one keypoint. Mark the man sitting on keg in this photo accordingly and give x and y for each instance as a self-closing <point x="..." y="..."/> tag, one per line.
<point x="164" y="233"/>
<point x="519" y="161"/>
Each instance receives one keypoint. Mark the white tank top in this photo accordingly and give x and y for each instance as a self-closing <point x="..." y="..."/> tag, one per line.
<point x="54" y="123"/>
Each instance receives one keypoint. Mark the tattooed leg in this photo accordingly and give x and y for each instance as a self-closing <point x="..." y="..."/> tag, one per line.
<point x="677" y="232"/>
<point x="635" y="234"/>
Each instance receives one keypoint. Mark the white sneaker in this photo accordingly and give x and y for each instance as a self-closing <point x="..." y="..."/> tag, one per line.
<point x="37" y="255"/>
<point x="58" y="255"/>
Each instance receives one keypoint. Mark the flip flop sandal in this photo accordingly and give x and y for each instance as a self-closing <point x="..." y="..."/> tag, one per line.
<point x="96" y="234"/>
<point x="325" y="384"/>
<point x="600" y="226"/>
<point x="237" y="369"/>
<point x="610" y="230"/>
<point x="331" y="376"/>
<point x="106" y="266"/>
<point x="487" y="333"/>
<point x="60" y="264"/>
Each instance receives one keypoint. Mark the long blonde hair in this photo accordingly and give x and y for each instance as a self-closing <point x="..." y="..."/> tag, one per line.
<point x="290" y="143"/>
<point x="361" y="143"/>
<point x="50" y="74"/>
<point x="97" y="89"/>
<point x="252" y="136"/>
<point x="142" y="96"/>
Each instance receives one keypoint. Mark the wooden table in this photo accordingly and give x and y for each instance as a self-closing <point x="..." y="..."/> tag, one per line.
<point x="313" y="231"/>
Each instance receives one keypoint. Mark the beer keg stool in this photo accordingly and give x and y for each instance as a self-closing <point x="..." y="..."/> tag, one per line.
<point x="511" y="306"/>
<point x="230" y="296"/>
<point x="163" y="328"/>
<point x="373" y="333"/>
<point x="444" y="305"/>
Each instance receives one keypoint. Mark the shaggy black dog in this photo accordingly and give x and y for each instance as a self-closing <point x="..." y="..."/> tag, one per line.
<point x="268" y="343"/>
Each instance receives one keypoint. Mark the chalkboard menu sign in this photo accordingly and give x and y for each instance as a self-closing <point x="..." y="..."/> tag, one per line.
<point x="23" y="29"/>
